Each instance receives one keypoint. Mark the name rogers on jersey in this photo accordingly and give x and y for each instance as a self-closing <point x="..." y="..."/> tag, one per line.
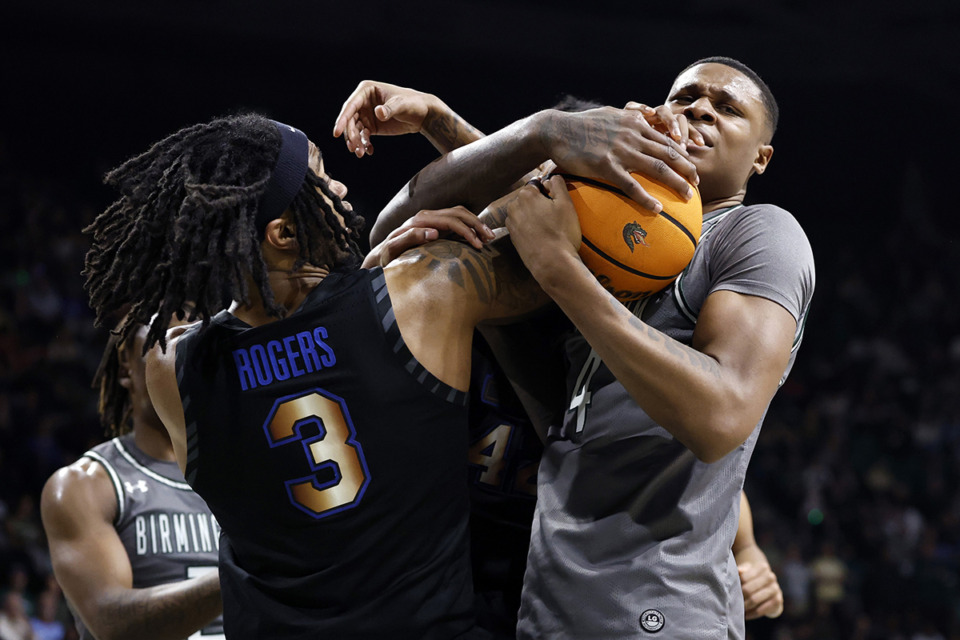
<point x="165" y="533"/>
<point x="290" y="357"/>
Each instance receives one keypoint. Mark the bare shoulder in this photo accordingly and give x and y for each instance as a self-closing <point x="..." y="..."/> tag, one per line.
<point x="164" y="360"/>
<point x="489" y="283"/>
<point x="77" y="492"/>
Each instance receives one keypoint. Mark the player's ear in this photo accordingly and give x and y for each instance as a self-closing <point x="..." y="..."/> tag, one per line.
<point x="123" y="365"/>
<point x="281" y="234"/>
<point x="764" y="153"/>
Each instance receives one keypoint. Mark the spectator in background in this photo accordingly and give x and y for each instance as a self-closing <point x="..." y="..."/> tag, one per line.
<point x="796" y="582"/>
<point x="14" y="622"/>
<point x="45" y="624"/>
<point x="829" y="575"/>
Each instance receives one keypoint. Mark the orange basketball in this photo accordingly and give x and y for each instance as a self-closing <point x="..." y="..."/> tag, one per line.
<point x="632" y="251"/>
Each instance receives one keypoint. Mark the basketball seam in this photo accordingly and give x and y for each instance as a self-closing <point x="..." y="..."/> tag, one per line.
<point x="619" y="264"/>
<point x="618" y="191"/>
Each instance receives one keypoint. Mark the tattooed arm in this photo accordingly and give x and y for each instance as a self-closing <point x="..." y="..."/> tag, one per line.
<point x="604" y="143"/>
<point x="442" y="290"/>
<point x="381" y="109"/>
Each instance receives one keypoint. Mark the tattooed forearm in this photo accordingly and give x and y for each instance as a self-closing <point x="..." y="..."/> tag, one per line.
<point x="495" y="216"/>
<point x="584" y="138"/>
<point x="447" y="132"/>
<point x="696" y="358"/>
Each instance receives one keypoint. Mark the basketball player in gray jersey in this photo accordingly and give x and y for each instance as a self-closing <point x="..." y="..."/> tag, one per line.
<point x="639" y="487"/>
<point x="133" y="547"/>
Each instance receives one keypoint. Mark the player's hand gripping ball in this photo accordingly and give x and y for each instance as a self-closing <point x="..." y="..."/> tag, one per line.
<point x="632" y="251"/>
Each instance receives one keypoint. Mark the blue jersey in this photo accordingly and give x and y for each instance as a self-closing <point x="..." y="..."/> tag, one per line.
<point x="334" y="462"/>
<point x="503" y="460"/>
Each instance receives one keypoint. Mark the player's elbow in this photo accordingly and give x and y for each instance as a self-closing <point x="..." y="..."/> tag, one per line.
<point x="721" y="435"/>
<point x="710" y="453"/>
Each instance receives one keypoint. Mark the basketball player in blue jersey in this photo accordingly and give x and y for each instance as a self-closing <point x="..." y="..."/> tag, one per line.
<point x="323" y="416"/>
<point x="378" y="108"/>
<point x="132" y="546"/>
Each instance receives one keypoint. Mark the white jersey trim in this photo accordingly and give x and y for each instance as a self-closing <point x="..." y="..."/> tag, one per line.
<point x="678" y="283"/>
<point x="115" y="479"/>
<point x="183" y="486"/>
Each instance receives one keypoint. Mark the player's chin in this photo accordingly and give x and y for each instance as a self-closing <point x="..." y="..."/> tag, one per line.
<point x="702" y="160"/>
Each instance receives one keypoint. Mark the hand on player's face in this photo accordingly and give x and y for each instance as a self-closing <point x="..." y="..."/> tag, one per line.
<point x="608" y="144"/>
<point x="675" y="125"/>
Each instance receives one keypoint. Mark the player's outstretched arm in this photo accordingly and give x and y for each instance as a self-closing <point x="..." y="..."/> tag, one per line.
<point x="381" y="109"/>
<point x="78" y="506"/>
<point x="605" y="143"/>
<point x="762" y="595"/>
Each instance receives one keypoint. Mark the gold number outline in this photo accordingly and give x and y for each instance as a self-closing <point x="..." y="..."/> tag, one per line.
<point x="493" y="467"/>
<point x="288" y="430"/>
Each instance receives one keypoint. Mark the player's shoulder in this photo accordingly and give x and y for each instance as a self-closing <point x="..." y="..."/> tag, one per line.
<point x="159" y="358"/>
<point x="425" y="259"/>
<point x="81" y="488"/>
<point x="763" y="214"/>
<point x="769" y="223"/>
<point x="442" y="269"/>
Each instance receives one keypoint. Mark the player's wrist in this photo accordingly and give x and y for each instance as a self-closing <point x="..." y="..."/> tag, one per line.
<point x="556" y="271"/>
<point x="545" y="133"/>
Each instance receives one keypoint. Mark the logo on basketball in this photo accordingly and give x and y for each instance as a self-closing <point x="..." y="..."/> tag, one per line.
<point x="637" y="251"/>
<point x="634" y="234"/>
<point x="651" y="620"/>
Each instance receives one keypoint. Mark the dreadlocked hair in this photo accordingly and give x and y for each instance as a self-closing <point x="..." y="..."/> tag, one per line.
<point x="114" y="400"/>
<point x="183" y="232"/>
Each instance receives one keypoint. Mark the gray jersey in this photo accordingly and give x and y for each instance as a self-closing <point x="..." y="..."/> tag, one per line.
<point x="632" y="533"/>
<point x="167" y="529"/>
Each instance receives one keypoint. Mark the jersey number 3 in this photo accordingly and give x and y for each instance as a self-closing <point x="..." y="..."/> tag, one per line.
<point x="334" y="450"/>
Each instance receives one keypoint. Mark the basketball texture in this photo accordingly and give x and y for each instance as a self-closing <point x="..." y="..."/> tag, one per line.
<point x="634" y="252"/>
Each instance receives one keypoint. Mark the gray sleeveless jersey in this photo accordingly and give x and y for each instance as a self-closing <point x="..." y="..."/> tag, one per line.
<point x="632" y="533"/>
<point x="167" y="529"/>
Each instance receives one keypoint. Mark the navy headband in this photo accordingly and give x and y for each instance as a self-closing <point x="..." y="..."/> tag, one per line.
<point x="288" y="175"/>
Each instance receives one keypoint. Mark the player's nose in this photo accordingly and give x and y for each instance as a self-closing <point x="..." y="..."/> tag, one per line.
<point x="700" y="109"/>
<point x="338" y="188"/>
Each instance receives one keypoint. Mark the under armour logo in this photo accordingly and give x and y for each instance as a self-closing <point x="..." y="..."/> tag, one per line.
<point x="141" y="485"/>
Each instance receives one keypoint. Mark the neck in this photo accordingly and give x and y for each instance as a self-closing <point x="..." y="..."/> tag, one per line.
<point x="711" y="204"/>
<point x="290" y="288"/>
<point x="722" y="203"/>
<point x="152" y="439"/>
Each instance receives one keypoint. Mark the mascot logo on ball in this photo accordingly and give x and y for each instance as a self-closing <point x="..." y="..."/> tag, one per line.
<point x="634" y="234"/>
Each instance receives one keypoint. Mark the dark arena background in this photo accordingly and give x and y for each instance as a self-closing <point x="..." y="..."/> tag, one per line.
<point x="854" y="482"/>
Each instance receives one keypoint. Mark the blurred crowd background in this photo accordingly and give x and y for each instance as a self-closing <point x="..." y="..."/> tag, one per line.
<point x="855" y="481"/>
